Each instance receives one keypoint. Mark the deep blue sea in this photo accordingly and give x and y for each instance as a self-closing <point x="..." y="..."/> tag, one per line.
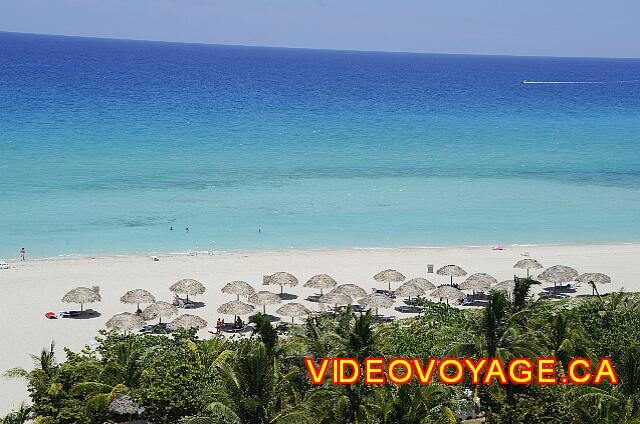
<point x="106" y="144"/>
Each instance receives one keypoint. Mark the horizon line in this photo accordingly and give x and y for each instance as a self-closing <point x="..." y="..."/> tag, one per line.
<point x="141" y="40"/>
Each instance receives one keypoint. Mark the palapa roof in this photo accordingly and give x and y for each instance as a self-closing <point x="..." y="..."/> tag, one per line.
<point x="235" y="307"/>
<point x="336" y="298"/>
<point x="159" y="309"/>
<point x="422" y="282"/>
<point x="125" y="405"/>
<point x="376" y="300"/>
<point x="321" y="281"/>
<point x="264" y="298"/>
<point x="594" y="277"/>
<point x="137" y="296"/>
<point x="479" y="281"/>
<point x="505" y="286"/>
<point x="451" y="271"/>
<point x="409" y="289"/>
<point x="559" y="274"/>
<point x="188" y="286"/>
<point x="447" y="292"/>
<point x="82" y="295"/>
<point x="239" y="288"/>
<point x="293" y="310"/>
<point x="125" y="321"/>
<point x="281" y="279"/>
<point x="389" y="275"/>
<point x="352" y="290"/>
<point x="187" y="321"/>
<point x="528" y="264"/>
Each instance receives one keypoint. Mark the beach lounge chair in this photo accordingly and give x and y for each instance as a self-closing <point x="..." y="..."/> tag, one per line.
<point x="155" y="328"/>
<point x="182" y="303"/>
<point x="408" y="309"/>
<point x="69" y="314"/>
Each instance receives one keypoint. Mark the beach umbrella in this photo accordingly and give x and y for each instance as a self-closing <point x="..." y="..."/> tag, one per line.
<point x="125" y="405"/>
<point x="187" y="321"/>
<point x="376" y="300"/>
<point x="264" y="298"/>
<point x="137" y="296"/>
<point x="352" y="290"/>
<point x="389" y="276"/>
<point x="505" y="286"/>
<point x="159" y="310"/>
<point x="188" y="286"/>
<point x="82" y="295"/>
<point x="239" y="288"/>
<point x="593" y="278"/>
<point x="559" y="274"/>
<point x="292" y="310"/>
<point x="321" y="281"/>
<point x="478" y="282"/>
<point x="447" y="292"/>
<point x="280" y="279"/>
<point x="452" y="271"/>
<point x="125" y="321"/>
<point x="235" y="307"/>
<point x="422" y="282"/>
<point x="409" y="289"/>
<point x="528" y="264"/>
<point x="336" y="298"/>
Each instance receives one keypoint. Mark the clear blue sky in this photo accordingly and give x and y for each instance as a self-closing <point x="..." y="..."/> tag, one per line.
<point x="545" y="27"/>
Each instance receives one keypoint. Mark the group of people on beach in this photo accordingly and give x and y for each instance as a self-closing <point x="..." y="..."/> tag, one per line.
<point x="237" y="324"/>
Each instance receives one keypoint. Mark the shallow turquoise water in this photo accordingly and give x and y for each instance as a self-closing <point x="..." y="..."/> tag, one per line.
<point x="106" y="144"/>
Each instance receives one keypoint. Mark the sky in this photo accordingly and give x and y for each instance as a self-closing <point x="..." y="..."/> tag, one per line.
<point x="599" y="28"/>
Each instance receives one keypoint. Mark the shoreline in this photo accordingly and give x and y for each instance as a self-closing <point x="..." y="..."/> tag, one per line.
<point x="165" y="254"/>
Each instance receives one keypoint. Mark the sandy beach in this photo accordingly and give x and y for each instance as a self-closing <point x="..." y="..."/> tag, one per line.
<point x="36" y="286"/>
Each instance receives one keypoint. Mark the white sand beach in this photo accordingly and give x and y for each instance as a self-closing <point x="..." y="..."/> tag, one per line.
<point x="34" y="287"/>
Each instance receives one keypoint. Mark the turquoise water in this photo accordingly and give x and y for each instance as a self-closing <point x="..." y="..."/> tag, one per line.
<point x="104" y="145"/>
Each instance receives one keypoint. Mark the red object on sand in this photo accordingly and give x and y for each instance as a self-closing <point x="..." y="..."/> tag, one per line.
<point x="51" y="315"/>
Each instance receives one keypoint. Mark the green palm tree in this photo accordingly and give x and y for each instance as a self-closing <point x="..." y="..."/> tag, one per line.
<point x="564" y="339"/>
<point x="414" y="404"/>
<point x="21" y="416"/>
<point x="97" y="396"/>
<point x="254" y="389"/>
<point x="42" y="379"/>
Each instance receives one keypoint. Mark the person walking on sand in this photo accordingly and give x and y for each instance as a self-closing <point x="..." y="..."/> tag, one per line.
<point x="23" y="253"/>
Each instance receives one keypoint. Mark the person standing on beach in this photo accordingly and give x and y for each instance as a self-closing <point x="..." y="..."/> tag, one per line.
<point x="23" y="253"/>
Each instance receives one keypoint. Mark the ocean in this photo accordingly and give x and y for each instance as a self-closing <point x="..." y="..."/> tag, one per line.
<point x="105" y="145"/>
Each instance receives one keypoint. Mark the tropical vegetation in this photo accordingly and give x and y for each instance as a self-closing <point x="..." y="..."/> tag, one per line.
<point x="262" y="378"/>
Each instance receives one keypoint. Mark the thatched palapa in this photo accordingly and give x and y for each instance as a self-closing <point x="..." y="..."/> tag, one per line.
<point x="239" y="288"/>
<point x="280" y="279"/>
<point x="389" y="276"/>
<point x="137" y="296"/>
<point x="528" y="264"/>
<point x="352" y="290"/>
<point x="125" y="321"/>
<point x="264" y="298"/>
<point x="321" y="282"/>
<point x="480" y="282"/>
<point x="187" y="321"/>
<point x="189" y="287"/>
<point x="82" y="295"/>
<point x="159" y="310"/>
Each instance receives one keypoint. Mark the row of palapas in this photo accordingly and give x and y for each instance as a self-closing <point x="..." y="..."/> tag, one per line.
<point x="343" y="294"/>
